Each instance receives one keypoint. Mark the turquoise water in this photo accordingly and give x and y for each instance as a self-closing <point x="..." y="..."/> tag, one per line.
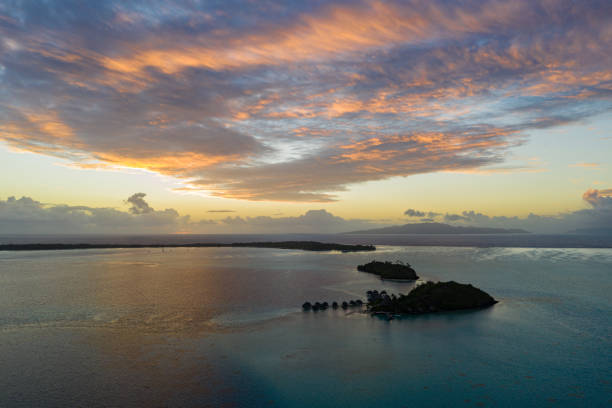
<point x="223" y="327"/>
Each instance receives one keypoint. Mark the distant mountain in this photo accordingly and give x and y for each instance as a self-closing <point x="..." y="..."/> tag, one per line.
<point x="437" y="228"/>
<point x="592" y="231"/>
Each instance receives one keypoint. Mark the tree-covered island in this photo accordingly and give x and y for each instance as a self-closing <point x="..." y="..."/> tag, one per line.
<point x="389" y="270"/>
<point x="430" y="297"/>
<point x="302" y="245"/>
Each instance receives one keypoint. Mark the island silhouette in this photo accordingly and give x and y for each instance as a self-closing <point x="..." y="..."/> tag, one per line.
<point x="302" y="245"/>
<point x="428" y="297"/>
<point x="437" y="228"/>
<point x="389" y="270"/>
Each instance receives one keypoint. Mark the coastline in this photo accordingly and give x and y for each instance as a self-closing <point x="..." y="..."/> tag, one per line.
<point x="300" y="245"/>
<point x="402" y="240"/>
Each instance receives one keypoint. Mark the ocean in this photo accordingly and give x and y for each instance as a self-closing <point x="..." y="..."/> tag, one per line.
<point x="199" y="327"/>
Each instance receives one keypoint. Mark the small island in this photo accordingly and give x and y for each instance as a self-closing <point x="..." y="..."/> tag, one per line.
<point x="303" y="245"/>
<point x="389" y="270"/>
<point x="430" y="297"/>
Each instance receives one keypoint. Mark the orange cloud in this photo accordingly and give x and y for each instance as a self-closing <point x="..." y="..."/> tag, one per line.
<point x="586" y="165"/>
<point x="330" y="33"/>
<point x="299" y="108"/>
<point x="175" y="164"/>
<point x="598" y="198"/>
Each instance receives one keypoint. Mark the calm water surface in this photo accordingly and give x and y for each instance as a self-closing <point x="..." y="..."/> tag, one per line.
<point x="223" y="327"/>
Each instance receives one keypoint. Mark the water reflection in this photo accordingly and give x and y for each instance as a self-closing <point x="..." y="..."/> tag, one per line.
<point x="223" y="326"/>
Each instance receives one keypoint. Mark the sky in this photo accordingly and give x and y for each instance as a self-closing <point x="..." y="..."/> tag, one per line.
<point x="290" y="116"/>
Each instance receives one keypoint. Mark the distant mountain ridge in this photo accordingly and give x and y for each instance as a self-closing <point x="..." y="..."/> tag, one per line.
<point x="437" y="228"/>
<point x="592" y="231"/>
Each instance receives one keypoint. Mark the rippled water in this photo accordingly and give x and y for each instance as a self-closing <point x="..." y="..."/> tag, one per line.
<point x="222" y="327"/>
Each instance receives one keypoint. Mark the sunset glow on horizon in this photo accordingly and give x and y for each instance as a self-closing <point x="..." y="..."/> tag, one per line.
<point x="324" y="116"/>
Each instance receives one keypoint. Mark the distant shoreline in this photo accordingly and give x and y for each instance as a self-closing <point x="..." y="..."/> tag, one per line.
<point x="434" y="228"/>
<point x="301" y="245"/>
<point x="397" y="240"/>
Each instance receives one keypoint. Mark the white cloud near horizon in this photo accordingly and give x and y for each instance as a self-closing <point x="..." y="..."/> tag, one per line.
<point x="599" y="216"/>
<point x="28" y="216"/>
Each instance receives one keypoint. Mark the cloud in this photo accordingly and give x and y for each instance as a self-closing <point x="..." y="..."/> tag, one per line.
<point x="27" y="216"/>
<point x="455" y="217"/>
<point x="586" y="165"/>
<point x="599" y="198"/>
<point x="599" y="215"/>
<point x="414" y="213"/>
<point x="139" y="205"/>
<point x="313" y="221"/>
<point x="313" y="177"/>
<point x="293" y="101"/>
<point x="220" y="211"/>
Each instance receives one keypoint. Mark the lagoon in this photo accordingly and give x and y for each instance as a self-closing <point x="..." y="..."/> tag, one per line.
<point x="187" y="327"/>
